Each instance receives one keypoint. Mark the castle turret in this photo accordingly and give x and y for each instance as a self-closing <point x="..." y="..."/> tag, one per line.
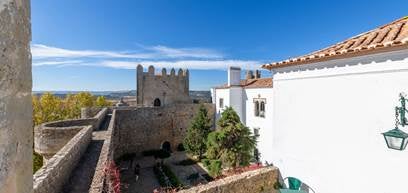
<point x="162" y="89"/>
<point x="187" y="81"/>
<point x="180" y="73"/>
<point x="139" y="84"/>
<point x="164" y="72"/>
<point x="151" y="70"/>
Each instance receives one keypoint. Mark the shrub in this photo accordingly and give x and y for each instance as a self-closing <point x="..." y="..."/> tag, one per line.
<point x="159" y="175"/>
<point x="113" y="177"/>
<point x="215" y="168"/>
<point x="206" y="163"/>
<point x="38" y="162"/>
<point x="175" y="182"/>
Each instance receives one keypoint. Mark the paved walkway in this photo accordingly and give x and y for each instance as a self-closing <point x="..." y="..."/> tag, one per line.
<point x="147" y="181"/>
<point x="81" y="178"/>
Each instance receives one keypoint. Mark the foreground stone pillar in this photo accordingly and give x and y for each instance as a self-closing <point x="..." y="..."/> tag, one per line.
<point x="16" y="134"/>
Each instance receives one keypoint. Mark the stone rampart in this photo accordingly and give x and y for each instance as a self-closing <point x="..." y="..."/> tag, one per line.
<point x="52" y="136"/>
<point x="52" y="176"/>
<point x="145" y="128"/>
<point x="89" y="112"/>
<point x="99" y="180"/>
<point x="257" y="181"/>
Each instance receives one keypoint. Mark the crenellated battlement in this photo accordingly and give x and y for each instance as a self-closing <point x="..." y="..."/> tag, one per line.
<point x="151" y="71"/>
<point x="165" y="88"/>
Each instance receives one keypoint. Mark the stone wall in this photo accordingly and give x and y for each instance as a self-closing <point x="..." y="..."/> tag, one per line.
<point x="15" y="97"/>
<point x="89" y="112"/>
<point x="52" y="176"/>
<point x="256" y="181"/>
<point x="145" y="128"/>
<point x="107" y="153"/>
<point x="168" y="88"/>
<point x="52" y="136"/>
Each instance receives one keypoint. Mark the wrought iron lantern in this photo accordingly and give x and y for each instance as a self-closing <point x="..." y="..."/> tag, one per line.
<point x="396" y="138"/>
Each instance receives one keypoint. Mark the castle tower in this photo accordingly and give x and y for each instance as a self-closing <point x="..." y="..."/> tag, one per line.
<point x="162" y="89"/>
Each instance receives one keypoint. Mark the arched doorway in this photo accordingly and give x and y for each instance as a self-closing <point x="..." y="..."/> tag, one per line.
<point x="166" y="146"/>
<point x="157" y="102"/>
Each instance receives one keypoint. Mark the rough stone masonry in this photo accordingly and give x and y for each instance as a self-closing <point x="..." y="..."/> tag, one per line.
<point x="16" y="141"/>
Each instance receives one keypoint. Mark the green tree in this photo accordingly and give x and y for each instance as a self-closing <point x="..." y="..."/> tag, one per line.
<point x="72" y="107"/>
<point x="196" y="137"/>
<point x="85" y="99"/>
<point x="233" y="143"/>
<point x="48" y="108"/>
<point x="102" y="102"/>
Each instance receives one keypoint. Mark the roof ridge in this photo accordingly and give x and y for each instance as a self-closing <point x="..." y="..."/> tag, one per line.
<point x="354" y="44"/>
<point x="363" y="33"/>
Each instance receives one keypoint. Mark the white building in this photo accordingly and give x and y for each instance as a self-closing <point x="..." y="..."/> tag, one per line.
<point x="251" y="98"/>
<point x="330" y="109"/>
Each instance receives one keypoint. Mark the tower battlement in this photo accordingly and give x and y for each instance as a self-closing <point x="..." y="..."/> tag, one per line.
<point x="162" y="89"/>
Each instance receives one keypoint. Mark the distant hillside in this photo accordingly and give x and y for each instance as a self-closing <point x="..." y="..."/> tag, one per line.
<point x="116" y="95"/>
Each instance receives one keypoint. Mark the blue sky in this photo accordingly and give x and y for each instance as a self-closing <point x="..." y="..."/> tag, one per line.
<point x="96" y="44"/>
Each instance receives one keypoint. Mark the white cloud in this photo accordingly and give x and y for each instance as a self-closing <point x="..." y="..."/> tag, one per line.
<point x="186" y="52"/>
<point x="190" y="64"/>
<point x="158" y="56"/>
<point x="56" y="62"/>
<point x="40" y="51"/>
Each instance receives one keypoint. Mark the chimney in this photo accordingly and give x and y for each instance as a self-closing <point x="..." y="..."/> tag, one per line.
<point x="234" y="76"/>
<point x="249" y="74"/>
<point x="257" y="74"/>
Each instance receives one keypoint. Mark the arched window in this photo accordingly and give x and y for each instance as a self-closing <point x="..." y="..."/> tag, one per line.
<point x="262" y="109"/>
<point x="256" y="108"/>
<point x="259" y="107"/>
<point x="157" y="102"/>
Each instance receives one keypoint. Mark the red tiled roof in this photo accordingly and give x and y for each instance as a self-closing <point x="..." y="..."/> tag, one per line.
<point x="252" y="83"/>
<point x="392" y="36"/>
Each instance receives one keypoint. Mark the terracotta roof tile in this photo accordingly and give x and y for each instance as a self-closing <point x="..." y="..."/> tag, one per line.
<point x="252" y="83"/>
<point x="392" y="36"/>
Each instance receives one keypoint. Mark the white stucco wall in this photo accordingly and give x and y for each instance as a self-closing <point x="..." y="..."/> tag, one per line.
<point x="224" y="94"/>
<point x="236" y="102"/>
<point x="232" y="98"/>
<point x="328" y="122"/>
<point x="263" y="123"/>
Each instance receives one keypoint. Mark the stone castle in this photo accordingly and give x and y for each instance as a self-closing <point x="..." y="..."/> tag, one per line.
<point x="161" y="117"/>
<point x="78" y="153"/>
<point x="163" y="89"/>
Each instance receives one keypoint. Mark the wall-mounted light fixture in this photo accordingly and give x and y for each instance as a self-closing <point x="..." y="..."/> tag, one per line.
<point x="396" y="138"/>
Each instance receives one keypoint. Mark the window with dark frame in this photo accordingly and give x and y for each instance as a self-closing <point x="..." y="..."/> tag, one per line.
<point x="256" y="108"/>
<point x="262" y="109"/>
<point x="259" y="107"/>
<point x="221" y="103"/>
